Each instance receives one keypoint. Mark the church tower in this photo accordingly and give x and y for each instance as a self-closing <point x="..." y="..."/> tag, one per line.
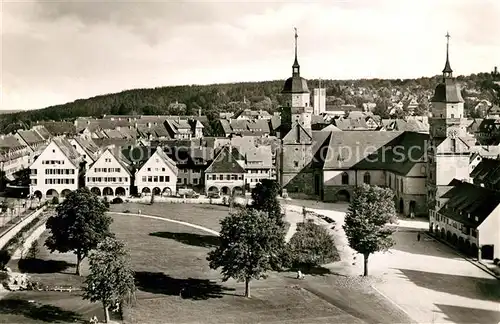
<point x="296" y="156"/>
<point x="448" y="154"/>
<point x="297" y="106"/>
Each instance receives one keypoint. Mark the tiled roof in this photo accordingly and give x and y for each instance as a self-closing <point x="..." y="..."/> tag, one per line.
<point x="261" y="154"/>
<point x="68" y="150"/>
<point x="30" y="136"/>
<point x="225" y="162"/>
<point x="59" y="127"/>
<point x="331" y="128"/>
<point x="467" y="201"/>
<point x="487" y="172"/>
<point x="344" y="147"/>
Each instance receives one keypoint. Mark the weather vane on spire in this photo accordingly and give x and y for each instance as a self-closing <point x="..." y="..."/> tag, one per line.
<point x="447" y="72"/>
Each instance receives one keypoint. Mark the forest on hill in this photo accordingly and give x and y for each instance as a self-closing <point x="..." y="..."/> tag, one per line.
<point x="231" y="97"/>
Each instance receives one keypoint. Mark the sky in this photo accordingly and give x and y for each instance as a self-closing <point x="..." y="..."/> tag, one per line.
<point x="54" y="52"/>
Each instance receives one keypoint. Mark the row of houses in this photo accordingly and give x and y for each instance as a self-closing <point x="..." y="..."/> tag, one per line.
<point x="160" y="168"/>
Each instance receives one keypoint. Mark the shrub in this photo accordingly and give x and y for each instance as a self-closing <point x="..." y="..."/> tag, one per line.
<point x="4" y="259"/>
<point x="496" y="261"/>
<point x="224" y="201"/>
<point x="117" y="200"/>
<point x="311" y="246"/>
<point x="55" y="200"/>
<point x="33" y="250"/>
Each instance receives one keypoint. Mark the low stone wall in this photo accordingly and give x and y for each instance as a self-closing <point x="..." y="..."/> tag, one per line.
<point x="16" y="228"/>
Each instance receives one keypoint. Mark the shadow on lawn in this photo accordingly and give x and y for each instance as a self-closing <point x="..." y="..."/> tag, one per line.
<point x="39" y="312"/>
<point x="197" y="289"/>
<point x="190" y="238"/>
<point x="43" y="266"/>
<point x="311" y="270"/>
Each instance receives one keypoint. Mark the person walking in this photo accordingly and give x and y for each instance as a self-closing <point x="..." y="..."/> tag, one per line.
<point x="418" y="236"/>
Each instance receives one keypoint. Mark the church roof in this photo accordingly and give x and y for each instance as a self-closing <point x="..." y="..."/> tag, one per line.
<point x="447" y="91"/>
<point x="295" y="84"/>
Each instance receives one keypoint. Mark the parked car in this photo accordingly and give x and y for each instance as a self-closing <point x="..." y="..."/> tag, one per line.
<point x="187" y="193"/>
<point x="214" y="195"/>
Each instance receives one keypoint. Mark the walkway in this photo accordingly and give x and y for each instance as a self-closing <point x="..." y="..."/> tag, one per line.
<point x="426" y="279"/>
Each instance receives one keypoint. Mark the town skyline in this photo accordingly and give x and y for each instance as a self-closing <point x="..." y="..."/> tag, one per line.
<point x="116" y="46"/>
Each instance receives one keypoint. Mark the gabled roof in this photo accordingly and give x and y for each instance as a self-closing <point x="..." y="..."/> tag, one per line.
<point x="467" y="201"/>
<point x="59" y="127"/>
<point x="168" y="161"/>
<point x="67" y="150"/>
<point x="225" y="162"/>
<point x="88" y="146"/>
<point x="487" y="171"/>
<point x="30" y="136"/>
<point x="298" y="135"/>
<point x="331" y="128"/>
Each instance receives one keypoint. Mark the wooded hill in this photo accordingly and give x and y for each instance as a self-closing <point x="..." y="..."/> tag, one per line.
<point x="212" y="99"/>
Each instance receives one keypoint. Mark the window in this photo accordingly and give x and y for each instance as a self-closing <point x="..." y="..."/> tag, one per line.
<point x="296" y="163"/>
<point x="228" y="177"/>
<point x="345" y="178"/>
<point x="221" y="177"/>
<point x="150" y="179"/>
<point x="167" y="178"/>
<point x="155" y="178"/>
<point x="163" y="169"/>
<point x="149" y="169"/>
<point x="162" y="178"/>
<point x="367" y="178"/>
<point x="143" y="179"/>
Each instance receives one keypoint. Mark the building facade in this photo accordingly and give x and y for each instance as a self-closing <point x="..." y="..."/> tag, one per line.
<point x="158" y="175"/>
<point x="55" y="172"/>
<point x="109" y="175"/>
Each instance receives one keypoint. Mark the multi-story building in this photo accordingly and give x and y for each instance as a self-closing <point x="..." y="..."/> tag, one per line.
<point x="110" y="175"/>
<point x="258" y="165"/>
<point x="36" y="138"/>
<point x="158" y="175"/>
<point x="55" y="171"/>
<point x="469" y="218"/>
<point x="226" y="174"/>
<point x="14" y="156"/>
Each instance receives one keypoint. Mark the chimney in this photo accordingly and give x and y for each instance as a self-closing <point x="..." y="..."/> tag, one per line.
<point x="199" y="112"/>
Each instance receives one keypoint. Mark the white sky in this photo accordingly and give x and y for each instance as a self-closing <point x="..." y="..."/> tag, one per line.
<point x="53" y="52"/>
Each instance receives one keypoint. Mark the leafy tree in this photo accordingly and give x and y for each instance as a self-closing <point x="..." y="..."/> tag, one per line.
<point x="312" y="245"/>
<point x="111" y="278"/>
<point x="265" y="199"/>
<point x="370" y="211"/>
<point x="246" y="247"/>
<point x="79" y="225"/>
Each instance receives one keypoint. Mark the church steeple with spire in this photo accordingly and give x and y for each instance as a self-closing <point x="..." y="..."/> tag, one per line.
<point x="447" y="71"/>
<point x="448" y="157"/>
<point x="296" y="66"/>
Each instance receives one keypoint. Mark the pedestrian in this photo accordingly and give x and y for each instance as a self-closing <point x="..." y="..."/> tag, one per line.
<point x="418" y="236"/>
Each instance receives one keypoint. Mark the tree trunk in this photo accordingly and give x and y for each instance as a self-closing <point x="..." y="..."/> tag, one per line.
<point x="366" y="255"/>
<point x="247" y="287"/>
<point x="78" y="261"/>
<point x="106" y="314"/>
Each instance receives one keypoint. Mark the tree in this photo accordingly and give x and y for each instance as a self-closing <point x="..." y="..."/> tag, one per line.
<point x="111" y="278"/>
<point x="311" y="245"/>
<point x="4" y="258"/>
<point x="370" y="211"/>
<point x="246" y="246"/>
<point x="33" y="250"/>
<point x="79" y="225"/>
<point x="265" y="199"/>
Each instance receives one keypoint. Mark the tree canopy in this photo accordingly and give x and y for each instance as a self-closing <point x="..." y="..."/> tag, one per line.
<point x="311" y="246"/>
<point x="246" y="246"/>
<point x="366" y="222"/>
<point x="79" y="225"/>
<point x="265" y="199"/>
<point x="111" y="278"/>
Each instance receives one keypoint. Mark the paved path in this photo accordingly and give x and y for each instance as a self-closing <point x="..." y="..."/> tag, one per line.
<point x="426" y="279"/>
